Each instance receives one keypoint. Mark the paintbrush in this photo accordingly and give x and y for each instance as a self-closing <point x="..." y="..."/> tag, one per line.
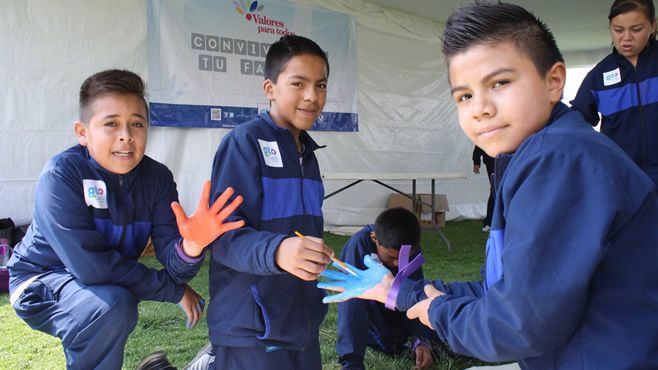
<point x="339" y="262"/>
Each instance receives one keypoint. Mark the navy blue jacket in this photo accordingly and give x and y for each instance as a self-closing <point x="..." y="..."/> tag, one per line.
<point x="95" y="224"/>
<point x="627" y="98"/>
<point x="571" y="281"/>
<point x="253" y="302"/>
<point x="360" y="321"/>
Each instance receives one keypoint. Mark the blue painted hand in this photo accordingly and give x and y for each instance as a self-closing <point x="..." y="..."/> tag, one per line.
<point x="358" y="285"/>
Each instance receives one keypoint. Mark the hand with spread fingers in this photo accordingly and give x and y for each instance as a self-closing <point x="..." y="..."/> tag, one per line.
<point x="206" y="223"/>
<point x="372" y="283"/>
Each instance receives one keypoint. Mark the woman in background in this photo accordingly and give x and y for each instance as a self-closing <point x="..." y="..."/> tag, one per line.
<point x="623" y="87"/>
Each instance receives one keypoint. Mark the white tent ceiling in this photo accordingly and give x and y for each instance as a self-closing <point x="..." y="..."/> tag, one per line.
<point x="577" y="25"/>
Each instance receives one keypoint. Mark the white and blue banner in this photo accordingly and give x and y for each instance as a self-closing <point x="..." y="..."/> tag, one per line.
<point x="207" y="60"/>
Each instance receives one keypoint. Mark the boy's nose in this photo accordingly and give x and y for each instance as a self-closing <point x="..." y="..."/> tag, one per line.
<point x="311" y="94"/>
<point x="482" y="108"/>
<point x="126" y="136"/>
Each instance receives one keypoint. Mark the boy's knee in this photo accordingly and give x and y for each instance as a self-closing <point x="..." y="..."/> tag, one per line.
<point x="121" y="308"/>
<point x="108" y="313"/>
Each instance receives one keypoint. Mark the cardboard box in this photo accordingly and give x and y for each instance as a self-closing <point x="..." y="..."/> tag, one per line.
<point x="424" y="211"/>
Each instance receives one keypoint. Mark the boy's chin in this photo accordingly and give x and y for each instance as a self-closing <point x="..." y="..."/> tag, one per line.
<point x="305" y="125"/>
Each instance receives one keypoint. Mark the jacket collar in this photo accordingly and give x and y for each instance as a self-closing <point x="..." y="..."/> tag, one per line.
<point x="503" y="160"/>
<point x="642" y="58"/>
<point x="112" y="179"/>
<point x="309" y="144"/>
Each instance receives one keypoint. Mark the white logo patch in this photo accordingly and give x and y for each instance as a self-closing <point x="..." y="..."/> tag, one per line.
<point x="612" y="77"/>
<point x="95" y="193"/>
<point x="271" y="153"/>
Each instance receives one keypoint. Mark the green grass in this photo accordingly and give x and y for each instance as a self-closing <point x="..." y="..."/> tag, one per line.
<point x="161" y="326"/>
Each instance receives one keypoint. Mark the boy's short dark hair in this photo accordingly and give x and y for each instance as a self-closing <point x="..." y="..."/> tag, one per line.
<point x="486" y="22"/>
<point x="396" y="227"/>
<point x="112" y="81"/>
<point x="625" y="6"/>
<point x="285" y="49"/>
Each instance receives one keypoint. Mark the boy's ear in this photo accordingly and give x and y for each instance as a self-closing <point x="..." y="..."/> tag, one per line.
<point x="373" y="237"/>
<point x="555" y="79"/>
<point x="268" y="89"/>
<point x="80" y="132"/>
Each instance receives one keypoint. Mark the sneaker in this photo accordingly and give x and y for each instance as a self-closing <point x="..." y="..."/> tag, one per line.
<point x="202" y="360"/>
<point x="155" y="361"/>
<point x="486" y="228"/>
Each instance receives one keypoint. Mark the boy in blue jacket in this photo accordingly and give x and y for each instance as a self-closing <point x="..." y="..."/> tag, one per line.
<point x="571" y="274"/>
<point x="368" y="323"/>
<point x="265" y="311"/>
<point x="75" y="274"/>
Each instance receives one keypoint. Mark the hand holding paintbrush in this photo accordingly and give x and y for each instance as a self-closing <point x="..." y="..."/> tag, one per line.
<point x="304" y="257"/>
<point x="340" y="263"/>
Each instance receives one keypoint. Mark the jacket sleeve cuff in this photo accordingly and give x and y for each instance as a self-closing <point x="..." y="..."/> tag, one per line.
<point x="270" y="257"/>
<point x="185" y="257"/>
<point x="410" y="293"/>
<point x="420" y="342"/>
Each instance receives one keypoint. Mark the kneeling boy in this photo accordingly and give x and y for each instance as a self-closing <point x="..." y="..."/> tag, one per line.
<point x="368" y="323"/>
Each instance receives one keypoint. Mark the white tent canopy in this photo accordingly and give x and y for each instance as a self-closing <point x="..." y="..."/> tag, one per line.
<point x="407" y="120"/>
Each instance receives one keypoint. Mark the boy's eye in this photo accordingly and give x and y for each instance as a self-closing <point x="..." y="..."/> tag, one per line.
<point x="639" y="29"/>
<point x="322" y="85"/>
<point x="110" y="124"/>
<point x="463" y="97"/>
<point x="296" y="83"/>
<point x="138" y="124"/>
<point x="500" y="83"/>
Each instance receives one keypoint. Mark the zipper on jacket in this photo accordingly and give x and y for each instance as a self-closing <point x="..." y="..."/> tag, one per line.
<point x="644" y="153"/>
<point x="301" y="186"/>
<point x="123" y="212"/>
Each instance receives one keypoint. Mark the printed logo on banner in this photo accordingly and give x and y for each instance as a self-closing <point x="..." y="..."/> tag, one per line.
<point x="247" y="9"/>
<point x="271" y="153"/>
<point x="95" y="192"/>
<point x="611" y="77"/>
<point x="265" y="23"/>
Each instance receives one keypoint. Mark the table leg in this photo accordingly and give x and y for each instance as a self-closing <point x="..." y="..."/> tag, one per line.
<point x="438" y="229"/>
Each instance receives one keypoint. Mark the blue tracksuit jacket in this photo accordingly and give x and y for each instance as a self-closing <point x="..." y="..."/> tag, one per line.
<point x="253" y="302"/>
<point x="362" y="323"/>
<point x="95" y="224"/>
<point x="571" y="275"/>
<point x="627" y="98"/>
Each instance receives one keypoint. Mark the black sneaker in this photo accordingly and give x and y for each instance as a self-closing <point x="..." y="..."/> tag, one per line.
<point x="155" y="361"/>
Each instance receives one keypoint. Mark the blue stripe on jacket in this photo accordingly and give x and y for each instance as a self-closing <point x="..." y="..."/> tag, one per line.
<point x="618" y="99"/>
<point x="135" y="238"/>
<point x="277" y="206"/>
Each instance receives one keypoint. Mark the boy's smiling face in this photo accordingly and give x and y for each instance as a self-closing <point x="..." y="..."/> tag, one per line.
<point x="116" y="132"/>
<point x="501" y="97"/>
<point x="298" y="96"/>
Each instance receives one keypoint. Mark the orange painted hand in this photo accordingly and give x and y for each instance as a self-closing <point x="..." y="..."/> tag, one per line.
<point x="206" y="224"/>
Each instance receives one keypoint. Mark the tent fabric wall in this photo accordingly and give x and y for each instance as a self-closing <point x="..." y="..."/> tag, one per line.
<point x="407" y="121"/>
